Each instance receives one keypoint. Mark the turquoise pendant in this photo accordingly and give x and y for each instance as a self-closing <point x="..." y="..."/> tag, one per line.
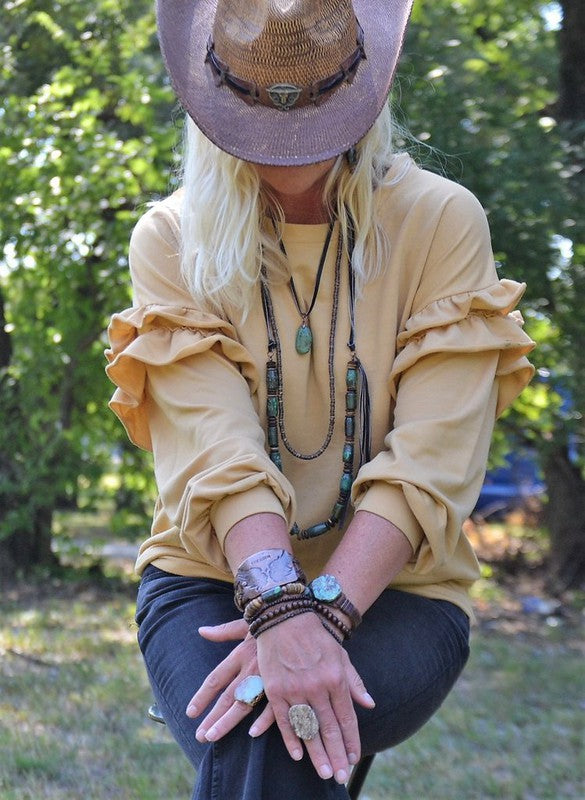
<point x="304" y="340"/>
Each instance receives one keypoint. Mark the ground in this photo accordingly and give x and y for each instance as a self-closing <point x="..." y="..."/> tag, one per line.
<point x="73" y="693"/>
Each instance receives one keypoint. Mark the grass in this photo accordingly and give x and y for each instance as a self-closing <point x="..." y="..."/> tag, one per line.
<point x="513" y="728"/>
<point x="73" y="696"/>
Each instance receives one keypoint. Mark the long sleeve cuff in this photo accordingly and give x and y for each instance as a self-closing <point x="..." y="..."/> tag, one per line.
<point x="388" y="501"/>
<point x="236" y="507"/>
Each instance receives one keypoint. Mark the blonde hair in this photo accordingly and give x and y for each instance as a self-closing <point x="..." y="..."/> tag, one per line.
<point x="225" y="242"/>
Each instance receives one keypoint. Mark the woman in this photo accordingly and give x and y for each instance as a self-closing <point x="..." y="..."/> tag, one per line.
<point x="317" y="351"/>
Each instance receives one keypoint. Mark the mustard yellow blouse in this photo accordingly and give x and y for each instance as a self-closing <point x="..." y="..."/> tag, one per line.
<point x="444" y="355"/>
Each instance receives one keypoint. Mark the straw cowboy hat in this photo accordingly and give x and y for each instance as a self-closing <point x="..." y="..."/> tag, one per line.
<point x="282" y="81"/>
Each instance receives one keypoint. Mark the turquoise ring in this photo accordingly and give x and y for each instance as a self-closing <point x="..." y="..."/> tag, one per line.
<point x="250" y="691"/>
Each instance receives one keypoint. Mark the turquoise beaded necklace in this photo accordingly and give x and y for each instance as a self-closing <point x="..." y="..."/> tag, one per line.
<point x="354" y="371"/>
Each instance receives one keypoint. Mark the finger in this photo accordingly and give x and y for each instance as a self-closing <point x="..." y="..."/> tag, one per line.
<point x="320" y="759"/>
<point x="219" y="710"/>
<point x="243" y="656"/>
<point x="348" y="727"/>
<point x="236" y="712"/>
<point x="223" y="705"/>
<point x="264" y="721"/>
<point x="217" y="680"/>
<point x="331" y="739"/>
<point x="228" y="631"/>
<point x="291" y="740"/>
<point x="357" y="688"/>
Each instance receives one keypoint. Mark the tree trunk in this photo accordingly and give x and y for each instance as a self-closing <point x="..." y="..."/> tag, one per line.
<point x="5" y="344"/>
<point x="28" y="548"/>
<point x="566" y="485"/>
<point x="571" y="104"/>
<point x="565" y="515"/>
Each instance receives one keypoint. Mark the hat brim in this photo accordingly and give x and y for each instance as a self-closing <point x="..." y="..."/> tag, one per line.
<point x="269" y="136"/>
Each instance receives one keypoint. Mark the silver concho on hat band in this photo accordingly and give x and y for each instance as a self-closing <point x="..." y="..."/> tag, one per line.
<point x="284" y="95"/>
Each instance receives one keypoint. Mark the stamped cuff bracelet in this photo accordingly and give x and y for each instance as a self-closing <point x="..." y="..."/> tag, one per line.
<point x="264" y="571"/>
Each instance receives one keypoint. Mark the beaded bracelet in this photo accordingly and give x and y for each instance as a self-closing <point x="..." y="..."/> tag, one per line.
<point x="272" y="623"/>
<point x="329" y="629"/>
<point x="272" y="596"/>
<point x="331" y="617"/>
<point x="279" y="609"/>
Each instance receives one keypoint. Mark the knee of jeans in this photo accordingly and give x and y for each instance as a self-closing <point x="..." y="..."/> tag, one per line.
<point x="388" y="727"/>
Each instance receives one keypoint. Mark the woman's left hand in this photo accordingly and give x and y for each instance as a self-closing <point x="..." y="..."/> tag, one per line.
<point x="241" y="662"/>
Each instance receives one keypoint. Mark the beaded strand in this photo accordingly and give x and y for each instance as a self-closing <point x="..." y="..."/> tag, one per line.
<point x="274" y="595"/>
<point x="275" y="402"/>
<point x="275" y="613"/>
<point x="347" y="458"/>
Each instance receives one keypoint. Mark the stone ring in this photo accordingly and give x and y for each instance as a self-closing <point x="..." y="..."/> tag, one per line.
<point x="250" y="691"/>
<point x="303" y="721"/>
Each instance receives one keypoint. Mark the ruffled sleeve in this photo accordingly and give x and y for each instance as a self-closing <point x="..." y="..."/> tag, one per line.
<point x="184" y="391"/>
<point x="155" y="335"/>
<point x="472" y="322"/>
<point x="461" y="360"/>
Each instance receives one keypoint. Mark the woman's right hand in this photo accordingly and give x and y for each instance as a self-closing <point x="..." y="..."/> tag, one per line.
<point x="300" y="662"/>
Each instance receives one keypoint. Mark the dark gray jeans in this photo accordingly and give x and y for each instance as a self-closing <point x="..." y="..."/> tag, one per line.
<point x="408" y="650"/>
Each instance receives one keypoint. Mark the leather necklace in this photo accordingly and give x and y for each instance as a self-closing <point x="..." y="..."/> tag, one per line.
<point x="304" y="334"/>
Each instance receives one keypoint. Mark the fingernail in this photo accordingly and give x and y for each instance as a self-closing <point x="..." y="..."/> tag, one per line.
<point x="297" y="755"/>
<point x="211" y="735"/>
<point x="369" y="699"/>
<point x="325" y="771"/>
<point x="191" y="709"/>
<point x="253" y="731"/>
<point x="341" y="776"/>
<point x="200" y="735"/>
<point x="353" y="759"/>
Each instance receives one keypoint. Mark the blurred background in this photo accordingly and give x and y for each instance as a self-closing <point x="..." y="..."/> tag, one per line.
<point x="493" y="96"/>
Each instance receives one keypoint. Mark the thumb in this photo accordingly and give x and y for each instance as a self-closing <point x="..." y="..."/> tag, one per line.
<point x="226" y="632"/>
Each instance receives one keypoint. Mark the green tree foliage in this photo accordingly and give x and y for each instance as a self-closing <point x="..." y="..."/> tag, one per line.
<point x="490" y="91"/>
<point x="498" y="90"/>
<point x="85" y="142"/>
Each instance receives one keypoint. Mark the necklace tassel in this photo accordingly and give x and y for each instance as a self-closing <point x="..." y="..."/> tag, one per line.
<point x="364" y="412"/>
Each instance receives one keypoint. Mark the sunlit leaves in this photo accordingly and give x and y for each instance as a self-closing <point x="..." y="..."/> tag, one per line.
<point x="479" y="82"/>
<point x="86" y="139"/>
